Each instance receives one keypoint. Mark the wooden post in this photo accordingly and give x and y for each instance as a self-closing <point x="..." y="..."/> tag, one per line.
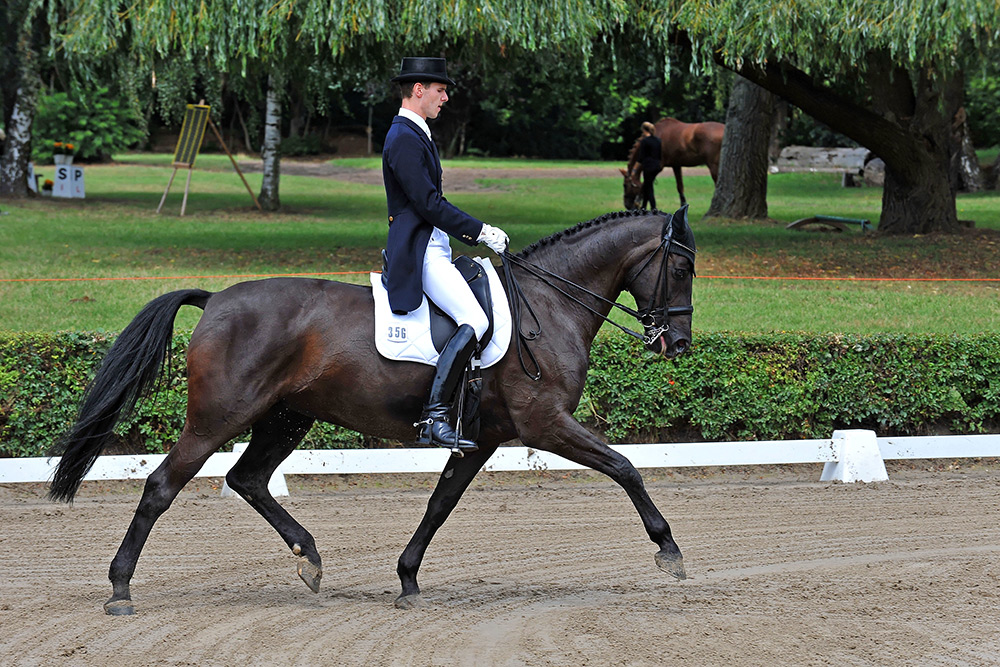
<point x="187" y="186"/>
<point x="169" y="183"/>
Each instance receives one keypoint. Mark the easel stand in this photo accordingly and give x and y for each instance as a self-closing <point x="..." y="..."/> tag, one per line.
<point x="196" y="117"/>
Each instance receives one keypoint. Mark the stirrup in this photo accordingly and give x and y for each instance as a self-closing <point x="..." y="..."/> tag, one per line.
<point x="426" y="437"/>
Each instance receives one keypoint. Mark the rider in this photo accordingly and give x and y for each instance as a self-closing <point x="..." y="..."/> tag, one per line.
<point x="418" y="251"/>
<point x="649" y="158"/>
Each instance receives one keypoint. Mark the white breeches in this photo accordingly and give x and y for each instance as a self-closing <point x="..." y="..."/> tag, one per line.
<point x="447" y="288"/>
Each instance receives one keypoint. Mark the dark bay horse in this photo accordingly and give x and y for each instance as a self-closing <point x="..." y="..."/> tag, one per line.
<point x="681" y="145"/>
<point x="275" y="355"/>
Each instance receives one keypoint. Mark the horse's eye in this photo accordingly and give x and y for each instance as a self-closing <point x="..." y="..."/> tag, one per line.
<point x="680" y="274"/>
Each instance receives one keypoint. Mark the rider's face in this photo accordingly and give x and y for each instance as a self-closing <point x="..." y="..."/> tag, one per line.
<point x="431" y="98"/>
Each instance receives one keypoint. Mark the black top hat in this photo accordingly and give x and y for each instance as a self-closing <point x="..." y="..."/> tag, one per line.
<point x="423" y="69"/>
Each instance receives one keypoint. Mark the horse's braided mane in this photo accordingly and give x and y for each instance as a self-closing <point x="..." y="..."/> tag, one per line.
<point x="553" y="238"/>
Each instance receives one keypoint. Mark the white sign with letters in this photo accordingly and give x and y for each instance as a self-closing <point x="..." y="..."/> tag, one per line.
<point x="68" y="181"/>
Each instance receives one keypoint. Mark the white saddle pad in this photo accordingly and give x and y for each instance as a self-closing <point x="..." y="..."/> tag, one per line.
<point x="408" y="337"/>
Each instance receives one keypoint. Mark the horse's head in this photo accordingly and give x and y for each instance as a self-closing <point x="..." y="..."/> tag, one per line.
<point x="632" y="187"/>
<point x="661" y="285"/>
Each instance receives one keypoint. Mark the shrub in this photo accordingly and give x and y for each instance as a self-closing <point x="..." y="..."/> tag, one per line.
<point x="43" y="377"/>
<point x="307" y="145"/>
<point x="982" y="99"/>
<point x="790" y="386"/>
<point x="730" y="387"/>
<point x="94" y="121"/>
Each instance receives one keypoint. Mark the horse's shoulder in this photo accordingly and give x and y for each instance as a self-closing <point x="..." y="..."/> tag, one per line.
<point x="712" y="129"/>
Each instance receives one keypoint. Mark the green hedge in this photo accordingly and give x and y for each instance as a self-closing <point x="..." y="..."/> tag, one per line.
<point x="730" y="387"/>
<point x="791" y="386"/>
<point x="42" y="379"/>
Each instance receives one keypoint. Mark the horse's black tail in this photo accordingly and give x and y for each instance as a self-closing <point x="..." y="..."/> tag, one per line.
<point x="128" y="372"/>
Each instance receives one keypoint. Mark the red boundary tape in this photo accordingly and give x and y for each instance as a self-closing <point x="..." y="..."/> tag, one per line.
<point x="235" y="275"/>
<point x="344" y="273"/>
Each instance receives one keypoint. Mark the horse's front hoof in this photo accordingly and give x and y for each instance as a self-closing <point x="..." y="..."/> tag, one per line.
<point x="414" y="601"/>
<point x="119" y="608"/>
<point x="671" y="563"/>
<point x="309" y="573"/>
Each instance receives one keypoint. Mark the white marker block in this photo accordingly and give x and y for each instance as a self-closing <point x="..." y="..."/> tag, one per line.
<point x="858" y="458"/>
<point x="63" y="181"/>
<point x="76" y="189"/>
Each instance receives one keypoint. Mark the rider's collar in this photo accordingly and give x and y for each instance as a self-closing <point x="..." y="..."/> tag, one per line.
<point x="415" y="117"/>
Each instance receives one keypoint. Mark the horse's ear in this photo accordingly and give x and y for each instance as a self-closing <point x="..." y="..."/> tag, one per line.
<point x="624" y="173"/>
<point x="680" y="219"/>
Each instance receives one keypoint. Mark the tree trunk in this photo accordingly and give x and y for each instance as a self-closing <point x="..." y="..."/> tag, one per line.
<point x="741" y="189"/>
<point x="246" y="133"/>
<point x="968" y="174"/>
<point x="17" y="147"/>
<point x="993" y="180"/>
<point x="779" y="126"/>
<point x="919" y="193"/>
<point x="271" y="153"/>
<point x="908" y="126"/>
<point x="296" y="117"/>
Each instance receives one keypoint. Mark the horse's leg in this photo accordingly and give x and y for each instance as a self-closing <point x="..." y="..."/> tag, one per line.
<point x="162" y="486"/>
<point x="455" y="479"/>
<point x="680" y="184"/>
<point x="567" y="438"/>
<point x="713" y="168"/>
<point x="275" y="436"/>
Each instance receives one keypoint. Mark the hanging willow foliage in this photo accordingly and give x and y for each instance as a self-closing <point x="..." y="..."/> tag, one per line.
<point x="835" y="38"/>
<point x="270" y="31"/>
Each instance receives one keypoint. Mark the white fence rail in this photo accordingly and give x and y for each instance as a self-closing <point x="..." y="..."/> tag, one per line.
<point x="850" y="456"/>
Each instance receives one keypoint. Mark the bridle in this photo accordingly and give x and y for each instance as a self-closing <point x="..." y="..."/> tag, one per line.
<point x="654" y="317"/>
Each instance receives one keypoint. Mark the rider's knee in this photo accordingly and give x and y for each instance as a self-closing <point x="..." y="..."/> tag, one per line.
<point x="479" y="322"/>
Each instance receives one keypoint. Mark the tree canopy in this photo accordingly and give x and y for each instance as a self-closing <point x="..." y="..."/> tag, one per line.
<point x="270" y="30"/>
<point x="887" y="73"/>
<point x="835" y="38"/>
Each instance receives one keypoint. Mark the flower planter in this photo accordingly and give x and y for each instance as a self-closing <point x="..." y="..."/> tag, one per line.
<point x="63" y="159"/>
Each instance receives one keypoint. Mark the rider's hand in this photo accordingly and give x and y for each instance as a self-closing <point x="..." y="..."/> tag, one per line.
<point x="494" y="238"/>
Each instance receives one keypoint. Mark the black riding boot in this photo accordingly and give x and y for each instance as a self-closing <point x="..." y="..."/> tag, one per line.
<point x="434" y="426"/>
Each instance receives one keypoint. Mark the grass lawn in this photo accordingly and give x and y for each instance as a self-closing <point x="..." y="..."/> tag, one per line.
<point x="329" y="225"/>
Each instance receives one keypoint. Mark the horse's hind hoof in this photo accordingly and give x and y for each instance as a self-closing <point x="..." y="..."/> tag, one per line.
<point x="309" y="573"/>
<point x="672" y="564"/>
<point x="414" y="601"/>
<point x="119" y="608"/>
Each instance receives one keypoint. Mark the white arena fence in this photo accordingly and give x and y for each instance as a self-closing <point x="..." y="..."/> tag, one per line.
<point x="849" y="456"/>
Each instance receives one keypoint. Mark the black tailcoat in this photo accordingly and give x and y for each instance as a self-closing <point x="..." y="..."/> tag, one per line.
<point x="411" y="170"/>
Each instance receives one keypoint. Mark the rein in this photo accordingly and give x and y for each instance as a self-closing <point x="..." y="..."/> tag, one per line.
<point x="651" y="317"/>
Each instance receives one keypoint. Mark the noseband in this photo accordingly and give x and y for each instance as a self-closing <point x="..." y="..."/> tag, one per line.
<point x="655" y="317"/>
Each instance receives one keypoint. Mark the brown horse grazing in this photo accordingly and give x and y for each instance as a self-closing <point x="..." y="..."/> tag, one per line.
<point x="681" y="145"/>
<point x="275" y="355"/>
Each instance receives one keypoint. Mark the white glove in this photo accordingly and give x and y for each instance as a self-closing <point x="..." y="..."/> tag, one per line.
<point x="494" y="238"/>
